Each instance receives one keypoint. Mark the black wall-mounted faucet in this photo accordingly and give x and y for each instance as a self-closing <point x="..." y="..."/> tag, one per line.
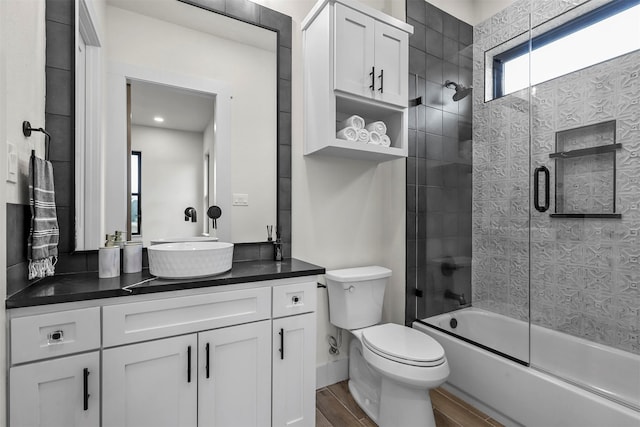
<point x="190" y="213"/>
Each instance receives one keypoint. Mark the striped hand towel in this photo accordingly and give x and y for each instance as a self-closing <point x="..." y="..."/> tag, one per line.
<point x="44" y="233"/>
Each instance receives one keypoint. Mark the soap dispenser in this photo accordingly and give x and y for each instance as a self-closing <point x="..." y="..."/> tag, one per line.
<point x="109" y="258"/>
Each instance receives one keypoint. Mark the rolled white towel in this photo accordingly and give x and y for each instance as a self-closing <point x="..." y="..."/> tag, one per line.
<point x="385" y="141"/>
<point x="353" y="121"/>
<point x="349" y="133"/>
<point x="374" y="138"/>
<point x="379" y="127"/>
<point x="363" y="135"/>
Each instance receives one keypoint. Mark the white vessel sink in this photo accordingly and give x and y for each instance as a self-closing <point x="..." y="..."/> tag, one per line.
<point x="183" y="239"/>
<point x="185" y="260"/>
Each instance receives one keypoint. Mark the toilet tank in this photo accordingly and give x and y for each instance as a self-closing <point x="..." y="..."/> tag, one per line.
<point x="356" y="295"/>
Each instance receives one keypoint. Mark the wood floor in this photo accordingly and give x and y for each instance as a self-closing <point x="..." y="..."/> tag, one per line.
<point x="336" y="408"/>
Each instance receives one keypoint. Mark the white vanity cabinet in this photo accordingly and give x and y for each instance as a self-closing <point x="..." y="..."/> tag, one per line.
<point x="355" y="62"/>
<point x="234" y="378"/>
<point x="294" y="355"/>
<point x="58" y="392"/>
<point x="371" y="57"/>
<point x="151" y="384"/>
<point x="201" y="357"/>
<point x="49" y="383"/>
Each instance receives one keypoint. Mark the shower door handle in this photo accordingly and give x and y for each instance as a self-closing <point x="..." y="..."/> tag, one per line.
<point x="536" y="188"/>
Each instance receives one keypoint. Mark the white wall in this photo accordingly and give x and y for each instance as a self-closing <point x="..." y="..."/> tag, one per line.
<point x="345" y="213"/>
<point x="171" y="181"/>
<point x="251" y="72"/>
<point x="22" y="81"/>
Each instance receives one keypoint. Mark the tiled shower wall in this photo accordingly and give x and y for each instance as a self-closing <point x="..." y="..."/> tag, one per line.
<point x="439" y="162"/>
<point x="585" y="273"/>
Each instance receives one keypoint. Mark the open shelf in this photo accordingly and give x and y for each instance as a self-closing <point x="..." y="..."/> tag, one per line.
<point x="585" y="172"/>
<point x="361" y="150"/>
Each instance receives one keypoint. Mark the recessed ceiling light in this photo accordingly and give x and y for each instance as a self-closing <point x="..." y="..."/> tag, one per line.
<point x="158" y="119"/>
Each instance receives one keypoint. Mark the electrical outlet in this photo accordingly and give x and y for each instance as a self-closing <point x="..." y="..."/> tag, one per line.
<point x="240" y="199"/>
<point x="12" y="163"/>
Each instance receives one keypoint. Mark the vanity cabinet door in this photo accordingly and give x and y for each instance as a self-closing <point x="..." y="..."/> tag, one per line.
<point x="354" y="33"/>
<point x="294" y="370"/>
<point x="54" y="392"/>
<point x="234" y="387"/>
<point x="392" y="64"/>
<point x="151" y="384"/>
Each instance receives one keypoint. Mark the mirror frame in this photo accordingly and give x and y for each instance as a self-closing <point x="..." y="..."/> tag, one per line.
<point x="60" y="120"/>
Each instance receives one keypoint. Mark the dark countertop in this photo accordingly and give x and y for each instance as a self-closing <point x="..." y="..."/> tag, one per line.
<point x="87" y="286"/>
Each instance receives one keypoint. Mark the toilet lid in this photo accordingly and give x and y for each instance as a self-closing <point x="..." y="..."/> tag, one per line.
<point x="403" y="344"/>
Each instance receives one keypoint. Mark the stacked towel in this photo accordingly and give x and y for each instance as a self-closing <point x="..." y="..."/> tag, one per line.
<point x="385" y="141"/>
<point x="374" y="138"/>
<point x="349" y="133"/>
<point x="363" y="135"/>
<point x="44" y="233"/>
<point x="379" y="127"/>
<point x="353" y="121"/>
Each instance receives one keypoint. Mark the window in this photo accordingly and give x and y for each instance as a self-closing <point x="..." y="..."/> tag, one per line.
<point x="599" y="35"/>
<point x="136" y="184"/>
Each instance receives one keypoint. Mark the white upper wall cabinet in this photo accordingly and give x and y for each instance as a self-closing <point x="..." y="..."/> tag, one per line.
<point x="371" y="57"/>
<point x="356" y="61"/>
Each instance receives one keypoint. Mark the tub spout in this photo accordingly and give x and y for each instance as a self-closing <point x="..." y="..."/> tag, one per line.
<point x="458" y="297"/>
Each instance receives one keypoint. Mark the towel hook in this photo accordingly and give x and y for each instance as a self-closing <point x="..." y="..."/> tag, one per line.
<point x="26" y="131"/>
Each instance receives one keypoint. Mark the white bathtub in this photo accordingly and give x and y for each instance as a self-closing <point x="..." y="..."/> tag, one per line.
<point x="529" y="396"/>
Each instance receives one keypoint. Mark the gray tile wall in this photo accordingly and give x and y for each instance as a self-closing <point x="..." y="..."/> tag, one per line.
<point x="584" y="274"/>
<point x="59" y="121"/>
<point x="439" y="163"/>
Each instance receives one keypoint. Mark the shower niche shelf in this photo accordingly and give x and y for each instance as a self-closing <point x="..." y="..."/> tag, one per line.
<point x="585" y="171"/>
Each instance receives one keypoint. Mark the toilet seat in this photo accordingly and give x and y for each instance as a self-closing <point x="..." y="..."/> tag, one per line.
<point x="403" y="345"/>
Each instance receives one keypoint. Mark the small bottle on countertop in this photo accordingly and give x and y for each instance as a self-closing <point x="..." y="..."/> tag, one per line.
<point x="277" y="246"/>
<point x="109" y="259"/>
<point x="132" y="253"/>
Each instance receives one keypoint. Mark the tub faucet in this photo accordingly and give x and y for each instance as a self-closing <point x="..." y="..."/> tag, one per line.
<point x="190" y="213"/>
<point x="458" y="297"/>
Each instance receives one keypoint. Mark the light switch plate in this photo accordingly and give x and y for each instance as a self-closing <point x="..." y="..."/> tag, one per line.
<point x="240" y="199"/>
<point x="12" y="163"/>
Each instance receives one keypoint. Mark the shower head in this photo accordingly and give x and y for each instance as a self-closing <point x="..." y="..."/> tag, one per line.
<point x="461" y="90"/>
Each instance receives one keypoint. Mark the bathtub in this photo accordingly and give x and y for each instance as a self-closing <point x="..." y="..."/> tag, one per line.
<point x="516" y="394"/>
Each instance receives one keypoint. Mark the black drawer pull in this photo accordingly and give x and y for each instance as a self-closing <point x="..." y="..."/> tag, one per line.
<point x="189" y="364"/>
<point x="281" y="343"/>
<point x="85" y="374"/>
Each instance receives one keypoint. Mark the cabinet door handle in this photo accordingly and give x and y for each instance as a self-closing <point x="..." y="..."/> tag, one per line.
<point x="536" y="190"/>
<point x="281" y="343"/>
<point x="189" y="364"/>
<point x="381" y="76"/>
<point x="372" y="86"/>
<point x="206" y="366"/>
<point x="85" y="381"/>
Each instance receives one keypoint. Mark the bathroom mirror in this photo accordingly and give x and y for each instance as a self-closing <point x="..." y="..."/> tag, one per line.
<point x="168" y="52"/>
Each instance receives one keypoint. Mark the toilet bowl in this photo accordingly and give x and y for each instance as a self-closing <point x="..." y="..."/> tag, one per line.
<point x="391" y="367"/>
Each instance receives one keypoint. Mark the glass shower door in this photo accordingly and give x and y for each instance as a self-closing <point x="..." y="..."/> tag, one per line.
<point x="585" y="303"/>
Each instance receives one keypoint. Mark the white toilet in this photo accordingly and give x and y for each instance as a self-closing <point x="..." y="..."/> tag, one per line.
<point x="391" y="367"/>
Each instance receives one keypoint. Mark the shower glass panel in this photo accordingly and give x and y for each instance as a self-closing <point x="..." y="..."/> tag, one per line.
<point x="585" y="299"/>
<point x="468" y="189"/>
<point x="525" y="237"/>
